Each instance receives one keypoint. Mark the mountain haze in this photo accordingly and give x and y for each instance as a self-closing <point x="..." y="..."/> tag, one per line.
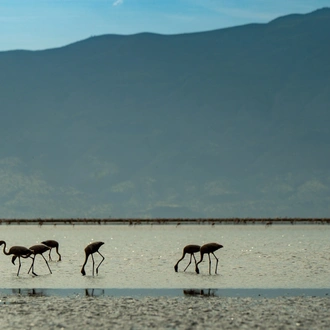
<point x="225" y="123"/>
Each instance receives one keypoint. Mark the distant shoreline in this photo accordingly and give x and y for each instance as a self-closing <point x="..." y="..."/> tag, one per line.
<point x="168" y="221"/>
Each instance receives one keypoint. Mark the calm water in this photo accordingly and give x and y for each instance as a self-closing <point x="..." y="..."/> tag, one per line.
<point x="254" y="256"/>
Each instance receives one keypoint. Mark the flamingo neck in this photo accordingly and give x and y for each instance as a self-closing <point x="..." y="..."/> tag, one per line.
<point x="57" y="251"/>
<point x="4" y="249"/>
<point x="83" y="266"/>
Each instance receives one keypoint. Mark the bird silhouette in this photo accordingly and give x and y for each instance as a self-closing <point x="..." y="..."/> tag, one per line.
<point x="17" y="252"/>
<point x="209" y="248"/>
<point x="38" y="249"/>
<point x="188" y="249"/>
<point x="52" y="244"/>
<point x="89" y="251"/>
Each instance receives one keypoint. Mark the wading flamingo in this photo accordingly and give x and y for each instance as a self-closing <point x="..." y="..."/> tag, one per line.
<point x="38" y="249"/>
<point x="188" y="249"/>
<point x="209" y="248"/>
<point x="52" y="244"/>
<point x="17" y="252"/>
<point x="89" y="251"/>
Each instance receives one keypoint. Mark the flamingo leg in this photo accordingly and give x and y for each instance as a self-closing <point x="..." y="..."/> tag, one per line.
<point x="47" y="264"/>
<point x="19" y="265"/>
<point x="50" y="258"/>
<point x="93" y="263"/>
<point x="196" y="267"/>
<point x="209" y="264"/>
<point x="32" y="266"/>
<point x="189" y="263"/>
<point x="194" y="258"/>
<point x="216" y="266"/>
<point x="97" y="268"/>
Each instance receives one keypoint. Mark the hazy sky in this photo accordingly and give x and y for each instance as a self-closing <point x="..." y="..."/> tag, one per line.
<point x="41" y="24"/>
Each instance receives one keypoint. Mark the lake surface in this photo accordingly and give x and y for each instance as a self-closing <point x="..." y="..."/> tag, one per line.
<point x="143" y="256"/>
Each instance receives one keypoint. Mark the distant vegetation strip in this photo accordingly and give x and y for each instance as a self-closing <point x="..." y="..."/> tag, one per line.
<point x="164" y="221"/>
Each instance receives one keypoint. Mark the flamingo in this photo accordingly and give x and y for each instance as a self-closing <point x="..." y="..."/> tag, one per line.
<point x="17" y="252"/>
<point x="209" y="248"/>
<point x="90" y="250"/>
<point x="188" y="249"/>
<point x="39" y="249"/>
<point x="52" y="244"/>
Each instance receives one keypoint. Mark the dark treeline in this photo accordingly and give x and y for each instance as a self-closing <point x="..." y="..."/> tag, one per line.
<point x="163" y="221"/>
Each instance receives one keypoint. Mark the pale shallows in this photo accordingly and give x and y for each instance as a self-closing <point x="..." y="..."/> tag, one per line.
<point x="143" y="256"/>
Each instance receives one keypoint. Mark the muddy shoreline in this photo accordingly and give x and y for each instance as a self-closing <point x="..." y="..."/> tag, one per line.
<point x="26" y="312"/>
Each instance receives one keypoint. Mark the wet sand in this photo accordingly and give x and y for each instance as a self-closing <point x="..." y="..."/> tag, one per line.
<point x="189" y="312"/>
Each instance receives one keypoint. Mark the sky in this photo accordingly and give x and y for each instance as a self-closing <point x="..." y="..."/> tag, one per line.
<point x="44" y="24"/>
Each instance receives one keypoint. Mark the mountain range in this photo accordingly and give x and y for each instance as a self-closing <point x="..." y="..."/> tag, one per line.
<point x="226" y="123"/>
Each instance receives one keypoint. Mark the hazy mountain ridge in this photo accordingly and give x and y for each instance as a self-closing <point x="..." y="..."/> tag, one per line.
<point x="232" y="122"/>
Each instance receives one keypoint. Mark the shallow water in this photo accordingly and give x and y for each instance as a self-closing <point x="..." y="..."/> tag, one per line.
<point x="143" y="256"/>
